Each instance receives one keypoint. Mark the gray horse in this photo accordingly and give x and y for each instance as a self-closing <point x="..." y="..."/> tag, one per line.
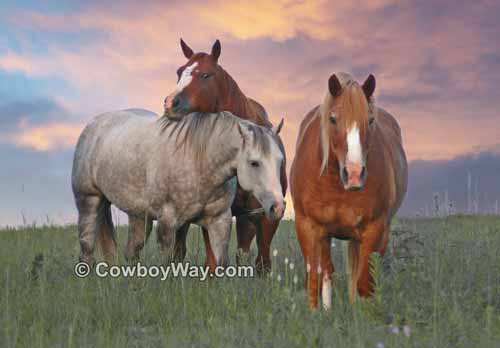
<point x="174" y="172"/>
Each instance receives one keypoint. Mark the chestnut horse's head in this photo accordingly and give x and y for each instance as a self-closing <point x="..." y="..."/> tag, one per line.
<point x="347" y="123"/>
<point x="199" y="84"/>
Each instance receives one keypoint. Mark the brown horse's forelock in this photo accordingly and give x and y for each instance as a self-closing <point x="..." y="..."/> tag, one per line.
<point x="347" y="103"/>
<point x="194" y="131"/>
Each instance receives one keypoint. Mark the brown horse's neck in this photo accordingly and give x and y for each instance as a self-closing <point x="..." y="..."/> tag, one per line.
<point x="234" y="101"/>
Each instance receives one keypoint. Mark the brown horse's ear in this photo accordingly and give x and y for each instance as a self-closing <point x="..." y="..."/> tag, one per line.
<point x="277" y="130"/>
<point x="369" y="86"/>
<point x="216" y="50"/>
<point x="334" y="86"/>
<point x="188" y="52"/>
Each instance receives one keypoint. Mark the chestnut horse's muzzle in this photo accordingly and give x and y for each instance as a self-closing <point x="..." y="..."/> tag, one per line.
<point x="176" y="103"/>
<point x="353" y="176"/>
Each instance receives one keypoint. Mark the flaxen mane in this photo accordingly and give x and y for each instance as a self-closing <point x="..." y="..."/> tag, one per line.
<point x="351" y="107"/>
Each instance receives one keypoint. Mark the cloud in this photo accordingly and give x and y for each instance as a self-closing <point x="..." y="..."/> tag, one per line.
<point x="41" y="125"/>
<point x="428" y="178"/>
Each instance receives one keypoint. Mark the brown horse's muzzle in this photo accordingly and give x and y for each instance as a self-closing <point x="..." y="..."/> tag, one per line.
<point x="353" y="176"/>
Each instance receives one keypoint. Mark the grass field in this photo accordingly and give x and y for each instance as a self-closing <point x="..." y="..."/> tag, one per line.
<point x="438" y="286"/>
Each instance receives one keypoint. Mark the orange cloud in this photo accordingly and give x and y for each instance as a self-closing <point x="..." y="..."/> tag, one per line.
<point x="46" y="137"/>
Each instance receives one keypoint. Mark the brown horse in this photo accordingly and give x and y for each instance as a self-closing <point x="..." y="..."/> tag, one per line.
<point x="203" y="85"/>
<point x="348" y="179"/>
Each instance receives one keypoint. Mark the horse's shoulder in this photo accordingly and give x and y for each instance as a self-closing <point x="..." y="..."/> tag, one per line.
<point x="388" y="124"/>
<point x="305" y="124"/>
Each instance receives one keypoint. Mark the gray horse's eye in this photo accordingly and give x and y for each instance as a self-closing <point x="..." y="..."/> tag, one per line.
<point x="371" y="120"/>
<point x="255" y="164"/>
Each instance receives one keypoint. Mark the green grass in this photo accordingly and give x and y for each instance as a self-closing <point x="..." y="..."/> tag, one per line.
<point x="441" y="278"/>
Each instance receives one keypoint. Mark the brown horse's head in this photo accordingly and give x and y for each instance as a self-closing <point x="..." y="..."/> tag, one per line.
<point x="199" y="84"/>
<point x="348" y="120"/>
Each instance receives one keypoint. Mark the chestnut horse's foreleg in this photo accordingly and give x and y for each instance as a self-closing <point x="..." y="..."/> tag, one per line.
<point x="373" y="239"/>
<point x="310" y="235"/>
<point x="180" y="243"/>
<point x="246" y="230"/>
<point x="210" y="258"/>
<point x="139" y="229"/>
<point x="265" y="233"/>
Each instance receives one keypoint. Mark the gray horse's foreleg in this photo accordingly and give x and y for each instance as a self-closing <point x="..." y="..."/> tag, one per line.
<point x="139" y="229"/>
<point x="89" y="219"/>
<point x="219" y="233"/>
<point x="166" y="239"/>
<point x="106" y="238"/>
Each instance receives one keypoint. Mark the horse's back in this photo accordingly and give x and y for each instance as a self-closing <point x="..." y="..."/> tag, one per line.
<point x="260" y="115"/>
<point x="105" y="137"/>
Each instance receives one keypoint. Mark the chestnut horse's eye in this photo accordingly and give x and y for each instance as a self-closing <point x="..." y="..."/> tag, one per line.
<point x="333" y="119"/>
<point x="205" y="76"/>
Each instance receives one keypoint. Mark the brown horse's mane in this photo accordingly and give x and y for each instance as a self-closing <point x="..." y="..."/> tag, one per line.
<point x="351" y="105"/>
<point x="239" y="104"/>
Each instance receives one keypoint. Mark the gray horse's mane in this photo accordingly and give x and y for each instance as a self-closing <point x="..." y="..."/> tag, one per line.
<point x="196" y="130"/>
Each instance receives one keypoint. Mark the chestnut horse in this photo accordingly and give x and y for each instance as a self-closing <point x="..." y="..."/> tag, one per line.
<point x="347" y="180"/>
<point x="203" y="85"/>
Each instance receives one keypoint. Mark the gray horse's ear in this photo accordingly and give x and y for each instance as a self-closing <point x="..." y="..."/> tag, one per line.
<point x="277" y="130"/>
<point x="188" y="52"/>
<point x="245" y="131"/>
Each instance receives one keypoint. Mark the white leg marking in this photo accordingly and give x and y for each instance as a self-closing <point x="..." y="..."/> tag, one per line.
<point x="354" y="150"/>
<point x="326" y="292"/>
<point x="186" y="77"/>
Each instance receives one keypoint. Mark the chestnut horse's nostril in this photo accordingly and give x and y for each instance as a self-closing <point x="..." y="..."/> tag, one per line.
<point x="345" y="175"/>
<point x="176" y="102"/>
<point x="363" y="173"/>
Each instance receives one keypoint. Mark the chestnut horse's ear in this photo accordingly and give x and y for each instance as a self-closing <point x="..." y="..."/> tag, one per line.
<point x="216" y="50"/>
<point x="334" y="86"/>
<point x="369" y="86"/>
<point x="277" y="130"/>
<point x="188" y="52"/>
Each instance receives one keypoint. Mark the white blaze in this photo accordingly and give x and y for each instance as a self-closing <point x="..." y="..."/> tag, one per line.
<point x="354" y="150"/>
<point x="326" y="292"/>
<point x="186" y="77"/>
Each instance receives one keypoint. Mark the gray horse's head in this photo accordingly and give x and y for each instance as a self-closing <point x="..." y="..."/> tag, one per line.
<point x="259" y="167"/>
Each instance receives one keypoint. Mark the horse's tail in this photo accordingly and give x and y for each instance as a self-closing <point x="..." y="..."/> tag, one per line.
<point x="353" y="264"/>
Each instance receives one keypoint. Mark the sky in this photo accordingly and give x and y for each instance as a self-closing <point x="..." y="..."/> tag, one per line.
<point x="437" y="65"/>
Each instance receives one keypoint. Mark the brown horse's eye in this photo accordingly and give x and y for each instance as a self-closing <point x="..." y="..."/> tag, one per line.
<point x="205" y="76"/>
<point x="333" y="119"/>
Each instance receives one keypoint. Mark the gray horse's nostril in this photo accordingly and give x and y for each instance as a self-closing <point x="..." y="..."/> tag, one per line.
<point x="345" y="175"/>
<point x="273" y="208"/>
